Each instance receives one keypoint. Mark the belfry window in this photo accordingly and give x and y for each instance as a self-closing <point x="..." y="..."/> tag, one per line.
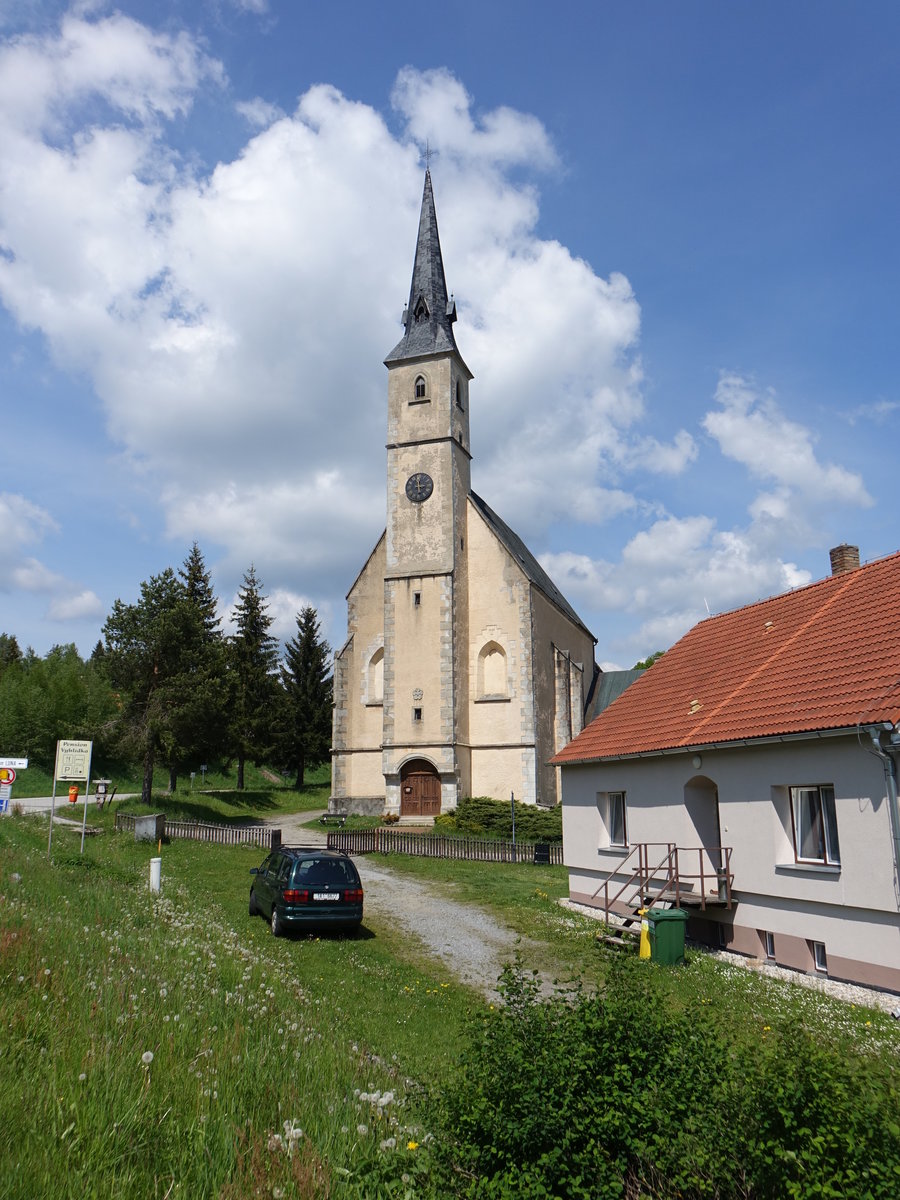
<point x="421" y="387"/>
<point x="458" y="395"/>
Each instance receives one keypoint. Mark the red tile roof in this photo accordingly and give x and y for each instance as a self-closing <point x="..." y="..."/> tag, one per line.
<point x="823" y="657"/>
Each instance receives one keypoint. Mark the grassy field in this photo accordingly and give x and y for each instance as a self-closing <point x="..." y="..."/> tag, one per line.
<point x="169" y="1047"/>
<point x="36" y="781"/>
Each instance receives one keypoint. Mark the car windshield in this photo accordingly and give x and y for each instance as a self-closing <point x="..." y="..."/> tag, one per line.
<point x="325" y="870"/>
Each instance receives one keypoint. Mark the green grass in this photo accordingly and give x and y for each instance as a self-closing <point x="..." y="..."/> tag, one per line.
<point x="36" y="781"/>
<point x="248" y="1032"/>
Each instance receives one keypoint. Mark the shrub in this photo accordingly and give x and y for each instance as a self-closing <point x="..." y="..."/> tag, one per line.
<point x="618" y="1095"/>
<point x="481" y="816"/>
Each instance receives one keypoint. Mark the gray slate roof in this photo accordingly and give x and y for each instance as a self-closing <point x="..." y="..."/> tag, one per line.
<point x="526" y="560"/>
<point x="430" y="314"/>
<point x="609" y="686"/>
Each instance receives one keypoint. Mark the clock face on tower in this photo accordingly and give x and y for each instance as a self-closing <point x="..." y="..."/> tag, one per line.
<point x="419" y="487"/>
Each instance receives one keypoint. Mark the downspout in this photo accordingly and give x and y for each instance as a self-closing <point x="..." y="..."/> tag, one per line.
<point x="887" y="754"/>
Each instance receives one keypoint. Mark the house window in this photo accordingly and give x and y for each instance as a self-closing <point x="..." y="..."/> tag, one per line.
<point x="612" y="817"/>
<point x="815" y="824"/>
<point x="820" y="958"/>
<point x="769" y="944"/>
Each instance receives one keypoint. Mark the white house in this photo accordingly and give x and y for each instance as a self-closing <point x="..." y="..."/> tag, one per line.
<point x="753" y="770"/>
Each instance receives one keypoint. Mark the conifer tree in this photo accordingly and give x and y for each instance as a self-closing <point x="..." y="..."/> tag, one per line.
<point x="253" y="660"/>
<point x="150" y="661"/>
<point x="307" y="682"/>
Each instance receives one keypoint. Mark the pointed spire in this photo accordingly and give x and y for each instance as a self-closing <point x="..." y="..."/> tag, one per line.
<point x="429" y="316"/>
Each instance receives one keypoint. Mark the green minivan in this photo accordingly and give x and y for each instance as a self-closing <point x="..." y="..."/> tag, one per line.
<point x="305" y="887"/>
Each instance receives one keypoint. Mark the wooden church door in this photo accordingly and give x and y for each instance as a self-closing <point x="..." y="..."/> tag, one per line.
<point x="420" y="790"/>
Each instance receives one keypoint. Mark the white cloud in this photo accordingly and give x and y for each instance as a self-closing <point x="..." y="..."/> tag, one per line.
<point x="80" y="606"/>
<point x="233" y="323"/>
<point x="751" y="429"/>
<point x="21" y="523"/>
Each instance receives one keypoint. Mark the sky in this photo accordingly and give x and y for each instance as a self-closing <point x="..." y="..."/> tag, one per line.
<point x="670" y="229"/>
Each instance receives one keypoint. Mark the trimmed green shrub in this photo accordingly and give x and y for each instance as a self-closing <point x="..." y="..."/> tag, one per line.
<point x="480" y="816"/>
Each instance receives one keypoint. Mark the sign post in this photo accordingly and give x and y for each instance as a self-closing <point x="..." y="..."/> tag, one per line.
<point x="73" y="763"/>
<point x="8" y="768"/>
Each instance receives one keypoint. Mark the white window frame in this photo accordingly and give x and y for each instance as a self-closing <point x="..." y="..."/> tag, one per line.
<point x="612" y="807"/>
<point x="820" y="957"/>
<point x="814" y="825"/>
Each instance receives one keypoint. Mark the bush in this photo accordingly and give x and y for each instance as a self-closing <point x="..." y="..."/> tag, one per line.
<point x="480" y="816"/>
<point x="620" y="1096"/>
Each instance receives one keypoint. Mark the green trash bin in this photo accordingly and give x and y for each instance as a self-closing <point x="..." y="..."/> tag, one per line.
<point x="667" y="935"/>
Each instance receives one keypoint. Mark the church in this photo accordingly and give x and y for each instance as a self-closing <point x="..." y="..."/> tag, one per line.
<point x="465" y="669"/>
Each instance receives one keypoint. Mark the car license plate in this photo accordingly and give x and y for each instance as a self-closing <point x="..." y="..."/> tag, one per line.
<point x="326" y="895"/>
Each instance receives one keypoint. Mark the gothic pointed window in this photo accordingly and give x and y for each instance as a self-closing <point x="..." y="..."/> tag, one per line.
<point x="492" y="677"/>
<point x="420" y="312"/>
<point x="421" y="387"/>
<point x="375" y="678"/>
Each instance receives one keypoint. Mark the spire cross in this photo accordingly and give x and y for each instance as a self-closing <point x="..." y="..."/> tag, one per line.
<point x="427" y="155"/>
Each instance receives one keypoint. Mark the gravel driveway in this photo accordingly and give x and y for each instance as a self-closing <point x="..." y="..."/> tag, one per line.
<point x="471" y="943"/>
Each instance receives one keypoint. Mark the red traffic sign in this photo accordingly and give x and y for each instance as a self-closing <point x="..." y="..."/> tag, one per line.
<point x="7" y="775"/>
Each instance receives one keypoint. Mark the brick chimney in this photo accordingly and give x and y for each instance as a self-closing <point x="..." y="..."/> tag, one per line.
<point x="844" y="558"/>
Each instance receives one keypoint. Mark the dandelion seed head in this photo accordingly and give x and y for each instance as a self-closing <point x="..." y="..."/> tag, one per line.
<point x="147" y="1058"/>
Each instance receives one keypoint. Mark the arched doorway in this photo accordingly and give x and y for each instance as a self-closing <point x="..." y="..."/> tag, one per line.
<point x="701" y="802"/>
<point x="420" y="789"/>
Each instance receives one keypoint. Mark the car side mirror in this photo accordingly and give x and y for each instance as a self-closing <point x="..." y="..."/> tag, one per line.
<point x="254" y="870"/>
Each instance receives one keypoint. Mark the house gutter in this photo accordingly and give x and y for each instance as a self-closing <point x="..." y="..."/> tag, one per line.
<point x="886" y="745"/>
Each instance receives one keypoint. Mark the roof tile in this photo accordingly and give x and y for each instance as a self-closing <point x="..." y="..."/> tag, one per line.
<point x="826" y="656"/>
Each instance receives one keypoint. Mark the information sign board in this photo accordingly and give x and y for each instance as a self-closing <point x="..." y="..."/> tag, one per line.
<point x="15" y="764"/>
<point x="73" y="760"/>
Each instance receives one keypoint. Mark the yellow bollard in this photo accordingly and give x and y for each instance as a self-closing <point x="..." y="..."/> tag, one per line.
<point x="644" y="947"/>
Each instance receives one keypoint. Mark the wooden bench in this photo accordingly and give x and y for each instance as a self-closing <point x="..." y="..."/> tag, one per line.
<point x="333" y="818"/>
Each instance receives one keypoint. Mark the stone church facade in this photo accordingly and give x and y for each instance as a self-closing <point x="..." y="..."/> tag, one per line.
<point x="465" y="669"/>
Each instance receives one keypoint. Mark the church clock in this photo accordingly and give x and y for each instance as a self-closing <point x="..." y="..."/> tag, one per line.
<point x="419" y="487"/>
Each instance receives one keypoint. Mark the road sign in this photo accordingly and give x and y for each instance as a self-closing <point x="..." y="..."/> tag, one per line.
<point x="18" y="764"/>
<point x="73" y="760"/>
<point x="7" y="775"/>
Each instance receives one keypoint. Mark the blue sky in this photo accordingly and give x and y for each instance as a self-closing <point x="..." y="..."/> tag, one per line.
<point x="670" y="229"/>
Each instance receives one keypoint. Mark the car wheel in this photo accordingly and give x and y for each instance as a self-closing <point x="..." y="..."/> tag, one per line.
<point x="277" y="926"/>
<point x="253" y="908"/>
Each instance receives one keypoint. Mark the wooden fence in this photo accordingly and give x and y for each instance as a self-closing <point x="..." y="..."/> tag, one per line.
<point x="426" y="845"/>
<point x="204" y="831"/>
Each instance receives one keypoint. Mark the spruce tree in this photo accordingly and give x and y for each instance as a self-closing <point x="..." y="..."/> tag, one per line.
<point x="307" y="682"/>
<point x="150" y="662"/>
<point x="253" y="660"/>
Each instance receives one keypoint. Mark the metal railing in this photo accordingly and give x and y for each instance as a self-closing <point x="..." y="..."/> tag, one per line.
<point x="657" y="871"/>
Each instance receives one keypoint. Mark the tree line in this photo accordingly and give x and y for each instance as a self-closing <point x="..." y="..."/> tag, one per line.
<point x="165" y="686"/>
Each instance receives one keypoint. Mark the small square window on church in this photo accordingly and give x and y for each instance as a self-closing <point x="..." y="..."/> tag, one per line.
<point x="417" y="599"/>
<point x="417" y="714"/>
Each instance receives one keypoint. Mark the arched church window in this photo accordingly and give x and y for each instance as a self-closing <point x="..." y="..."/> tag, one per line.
<point x="492" y="678"/>
<point x="375" y="678"/>
<point x="421" y="387"/>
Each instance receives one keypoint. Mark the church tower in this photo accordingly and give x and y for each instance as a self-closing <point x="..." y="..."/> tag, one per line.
<point x="428" y="484"/>
<point x="465" y="669"/>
